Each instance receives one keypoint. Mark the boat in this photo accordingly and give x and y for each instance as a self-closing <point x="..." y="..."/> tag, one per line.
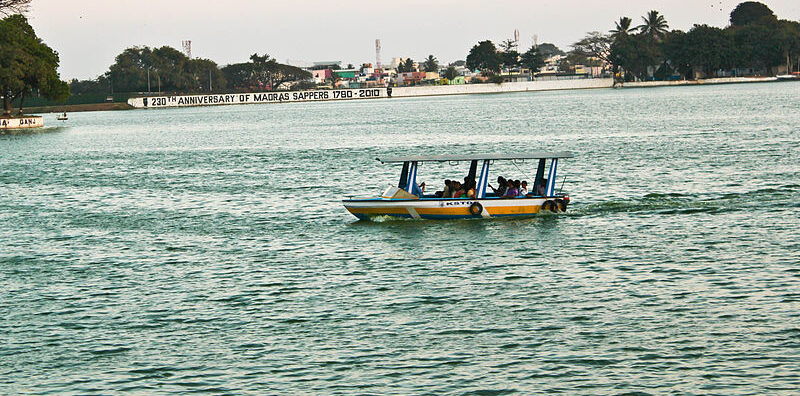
<point x="62" y="117"/>
<point x="407" y="199"/>
<point x="788" y="77"/>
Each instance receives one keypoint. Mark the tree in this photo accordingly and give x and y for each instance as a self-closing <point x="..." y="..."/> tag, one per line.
<point x="594" y="45"/>
<point x="172" y="68"/>
<point x="508" y="45"/>
<point x="26" y="64"/>
<point x="406" y="66"/>
<point x="510" y="59"/>
<point x="532" y="59"/>
<point x="751" y="12"/>
<point x="549" y="50"/>
<point x="759" y="47"/>
<point x="163" y="69"/>
<point x="509" y="56"/>
<point x="451" y="73"/>
<point x="654" y="24"/>
<point x="677" y="51"/>
<point x="206" y="75"/>
<point x="335" y="78"/>
<point x="11" y="7"/>
<point x="262" y="72"/>
<point x="483" y="56"/>
<point x="623" y="28"/>
<point x="431" y="64"/>
<point x="635" y="54"/>
<point x="708" y="47"/>
<point x="790" y="41"/>
<point x="129" y="72"/>
<point x="96" y="86"/>
<point x="401" y="67"/>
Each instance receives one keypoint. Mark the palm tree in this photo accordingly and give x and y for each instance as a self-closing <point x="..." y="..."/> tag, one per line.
<point x="654" y="24"/>
<point x="623" y="27"/>
<point x="431" y="64"/>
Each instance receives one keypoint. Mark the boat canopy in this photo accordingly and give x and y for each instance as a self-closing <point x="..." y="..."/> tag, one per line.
<point x="477" y="157"/>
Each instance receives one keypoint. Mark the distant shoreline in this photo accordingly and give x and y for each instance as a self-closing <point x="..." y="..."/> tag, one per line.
<point x="398" y="92"/>
<point x="76" y="108"/>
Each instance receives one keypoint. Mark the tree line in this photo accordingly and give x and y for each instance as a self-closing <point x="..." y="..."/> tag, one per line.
<point x="490" y="60"/>
<point x="756" y="42"/>
<point x="165" y="69"/>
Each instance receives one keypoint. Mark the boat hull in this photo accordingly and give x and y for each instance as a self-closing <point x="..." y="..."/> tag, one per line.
<point x="443" y="209"/>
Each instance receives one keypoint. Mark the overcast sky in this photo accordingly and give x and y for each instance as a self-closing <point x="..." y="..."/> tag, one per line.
<point x="88" y="34"/>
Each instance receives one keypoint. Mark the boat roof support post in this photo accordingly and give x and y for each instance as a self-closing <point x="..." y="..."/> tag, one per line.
<point x="551" y="178"/>
<point x="539" y="175"/>
<point x="483" y="180"/>
<point x="403" y="176"/>
<point x="473" y="169"/>
<point x="412" y="180"/>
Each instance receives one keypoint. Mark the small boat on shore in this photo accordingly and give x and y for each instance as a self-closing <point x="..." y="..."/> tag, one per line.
<point x="408" y="200"/>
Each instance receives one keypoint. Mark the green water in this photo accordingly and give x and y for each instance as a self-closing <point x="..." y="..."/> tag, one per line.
<point x="205" y="250"/>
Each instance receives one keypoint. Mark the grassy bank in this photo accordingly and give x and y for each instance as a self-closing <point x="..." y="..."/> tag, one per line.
<point x="74" y="108"/>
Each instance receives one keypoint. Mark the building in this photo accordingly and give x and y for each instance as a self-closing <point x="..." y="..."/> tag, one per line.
<point x="415" y="78"/>
<point x="327" y="65"/>
<point x="458" y="80"/>
<point x="322" y="75"/>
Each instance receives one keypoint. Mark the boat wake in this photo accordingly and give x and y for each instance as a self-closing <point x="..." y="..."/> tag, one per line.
<point x="786" y="196"/>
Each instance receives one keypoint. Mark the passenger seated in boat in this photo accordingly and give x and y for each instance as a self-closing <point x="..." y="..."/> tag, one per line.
<point x="470" y="189"/>
<point x="458" y="191"/>
<point x="418" y="189"/>
<point x="501" y="186"/>
<point x="523" y="188"/>
<point x="512" y="191"/>
<point x="446" y="192"/>
<point x="542" y="188"/>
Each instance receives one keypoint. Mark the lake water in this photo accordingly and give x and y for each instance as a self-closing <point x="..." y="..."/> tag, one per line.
<point x="206" y="250"/>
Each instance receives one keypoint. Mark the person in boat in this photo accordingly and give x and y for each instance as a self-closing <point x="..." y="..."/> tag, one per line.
<point x="470" y="189"/>
<point x="446" y="192"/>
<point x="512" y="190"/>
<point x="501" y="186"/>
<point x="457" y="190"/>
<point x="418" y="189"/>
<point x="542" y="188"/>
<point x="523" y="190"/>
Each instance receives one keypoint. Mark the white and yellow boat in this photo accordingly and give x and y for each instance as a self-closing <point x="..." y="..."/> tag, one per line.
<point x="407" y="200"/>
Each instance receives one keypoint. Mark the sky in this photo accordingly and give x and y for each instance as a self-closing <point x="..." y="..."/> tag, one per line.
<point x="88" y="34"/>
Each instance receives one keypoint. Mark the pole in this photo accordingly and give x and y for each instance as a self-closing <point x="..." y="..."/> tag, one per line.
<point x="148" y="80"/>
<point x="209" y="80"/>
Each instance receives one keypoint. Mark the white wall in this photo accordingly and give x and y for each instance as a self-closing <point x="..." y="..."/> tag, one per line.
<point x="500" y="88"/>
<point x="21" y="123"/>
